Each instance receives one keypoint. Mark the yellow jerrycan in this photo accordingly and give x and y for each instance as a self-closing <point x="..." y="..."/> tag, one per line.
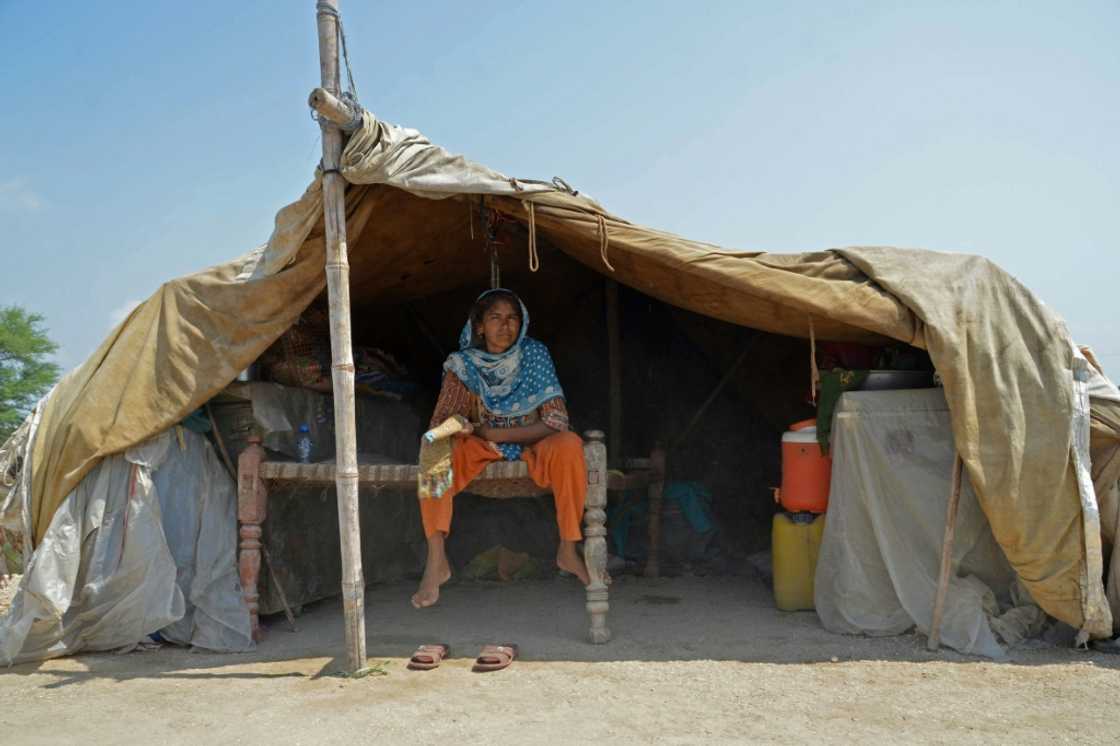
<point x="795" y="543"/>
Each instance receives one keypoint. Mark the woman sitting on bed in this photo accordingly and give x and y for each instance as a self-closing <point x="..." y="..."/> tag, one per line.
<point x="505" y="385"/>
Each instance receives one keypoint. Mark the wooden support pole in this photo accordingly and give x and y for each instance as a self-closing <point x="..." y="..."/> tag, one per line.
<point x="342" y="356"/>
<point x="657" y="462"/>
<point x="934" y="641"/>
<point x="337" y="110"/>
<point x="614" y="357"/>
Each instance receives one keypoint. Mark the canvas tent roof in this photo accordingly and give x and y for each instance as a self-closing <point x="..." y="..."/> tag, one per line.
<point x="1006" y="360"/>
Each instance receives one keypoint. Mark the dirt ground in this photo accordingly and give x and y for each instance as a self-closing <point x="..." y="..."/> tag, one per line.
<point x="693" y="660"/>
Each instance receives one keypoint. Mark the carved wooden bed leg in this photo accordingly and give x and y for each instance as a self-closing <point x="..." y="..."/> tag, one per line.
<point x="252" y="508"/>
<point x="656" y="488"/>
<point x="594" y="536"/>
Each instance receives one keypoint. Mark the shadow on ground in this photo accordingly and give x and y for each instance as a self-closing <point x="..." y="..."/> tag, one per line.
<point x="671" y="619"/>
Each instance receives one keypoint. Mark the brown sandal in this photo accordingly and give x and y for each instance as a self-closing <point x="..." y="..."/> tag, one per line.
<point x="428" y="657"/>
<point x="495" y="657"/>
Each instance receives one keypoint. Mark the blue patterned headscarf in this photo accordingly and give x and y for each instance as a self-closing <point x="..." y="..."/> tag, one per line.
<point x="511" y="383"/>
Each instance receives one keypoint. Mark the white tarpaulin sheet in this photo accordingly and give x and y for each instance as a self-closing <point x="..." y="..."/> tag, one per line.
<point x="145" y="543"/>
<point x="880" y="555"/>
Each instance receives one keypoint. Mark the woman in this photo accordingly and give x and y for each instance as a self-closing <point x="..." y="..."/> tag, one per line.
<point x="505" y="384"/>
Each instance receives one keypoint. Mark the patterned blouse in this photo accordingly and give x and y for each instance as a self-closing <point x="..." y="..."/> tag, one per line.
<point x="456" y="398"/>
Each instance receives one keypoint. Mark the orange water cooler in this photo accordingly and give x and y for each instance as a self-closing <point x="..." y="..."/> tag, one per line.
<point x="806" y="472"/>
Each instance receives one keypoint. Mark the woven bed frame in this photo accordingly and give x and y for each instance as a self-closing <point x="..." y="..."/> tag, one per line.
<point x="503" y="479"/>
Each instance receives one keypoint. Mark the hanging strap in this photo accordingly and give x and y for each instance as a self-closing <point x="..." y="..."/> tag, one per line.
<point x="814" y="371"/>
<point x="534" y="259"/>
<point x="604" y="240"/>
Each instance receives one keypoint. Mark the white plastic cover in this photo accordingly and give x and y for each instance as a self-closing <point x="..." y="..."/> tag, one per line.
<point x="146" y="543"/>
<point x="880" y="555"/>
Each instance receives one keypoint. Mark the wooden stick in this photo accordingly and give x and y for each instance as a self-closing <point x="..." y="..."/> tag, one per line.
<point x="656" y="491"/>
<point x="934" y="641"/>
<point x="221" y="444"/>
<point x="279" y="589"/>
<point x="425" y="330"/>
<point x="614" y="356"/>
<point x="337" y="110"/>
<point x="342" y="356"/>
<point x="711" y="398"/>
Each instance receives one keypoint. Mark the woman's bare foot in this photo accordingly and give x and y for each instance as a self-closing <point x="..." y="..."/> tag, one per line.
<point x="437" y="571"/>
<point x="568" y="559"/>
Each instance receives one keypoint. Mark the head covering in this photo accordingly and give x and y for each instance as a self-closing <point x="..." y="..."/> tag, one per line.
<point x="511" y="383"/>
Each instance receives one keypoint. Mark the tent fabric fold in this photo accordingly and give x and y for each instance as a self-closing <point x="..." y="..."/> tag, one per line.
<point x="1005" y="358"/>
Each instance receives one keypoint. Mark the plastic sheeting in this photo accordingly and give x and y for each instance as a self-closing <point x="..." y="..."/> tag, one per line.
<point x="145" y="543"/>
<point x="880" y="556"/>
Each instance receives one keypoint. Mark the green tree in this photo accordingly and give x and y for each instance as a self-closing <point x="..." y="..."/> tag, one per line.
<point x="25" y="374"/>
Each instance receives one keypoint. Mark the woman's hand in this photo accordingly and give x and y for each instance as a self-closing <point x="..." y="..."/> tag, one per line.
<point x="525" y="434"/>
<point x="467" y="430"/>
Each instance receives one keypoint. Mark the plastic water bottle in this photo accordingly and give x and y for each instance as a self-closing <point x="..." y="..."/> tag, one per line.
<point x="303" y="444"/>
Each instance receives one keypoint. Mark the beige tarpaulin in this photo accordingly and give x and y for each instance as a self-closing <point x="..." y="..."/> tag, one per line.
<point x="1006" y="359"/>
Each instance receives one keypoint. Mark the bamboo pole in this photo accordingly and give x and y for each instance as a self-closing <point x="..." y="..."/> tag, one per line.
<point x="342" y="356"/>
<point x="934" y="640"/>
<point x="337" y="110"/>
<point x="614" y="355"/>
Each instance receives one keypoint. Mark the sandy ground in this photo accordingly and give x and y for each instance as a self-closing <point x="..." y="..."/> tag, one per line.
<point x="694" y="660"/>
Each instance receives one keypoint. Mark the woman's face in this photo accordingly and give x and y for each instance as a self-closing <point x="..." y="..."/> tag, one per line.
<point x="500" y="326"/>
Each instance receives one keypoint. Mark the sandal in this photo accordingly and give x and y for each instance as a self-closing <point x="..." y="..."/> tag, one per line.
<point x="495" y="657"/>
<point x="428" y="657"/>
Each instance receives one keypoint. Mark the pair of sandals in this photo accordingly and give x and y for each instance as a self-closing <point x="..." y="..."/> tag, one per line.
<point x="491" y="658"/>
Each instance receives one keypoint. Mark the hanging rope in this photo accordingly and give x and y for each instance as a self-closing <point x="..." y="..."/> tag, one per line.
<point x="604" y="240"/>
<point x="534" y="259"/>
<point x="814" y="371"/>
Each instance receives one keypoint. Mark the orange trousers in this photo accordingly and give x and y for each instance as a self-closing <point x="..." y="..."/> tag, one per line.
<point x="556" y="462"/>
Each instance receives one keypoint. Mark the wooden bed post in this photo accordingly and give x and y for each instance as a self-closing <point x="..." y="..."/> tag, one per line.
<point x="342" y="356"/>
<point x="595" y="536"/>
<point x="252" y="509"/>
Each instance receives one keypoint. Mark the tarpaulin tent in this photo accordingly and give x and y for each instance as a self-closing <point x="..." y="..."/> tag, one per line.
<point x="1016" y="391"/>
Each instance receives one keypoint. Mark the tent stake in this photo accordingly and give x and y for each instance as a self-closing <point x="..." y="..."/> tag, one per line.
<point x="342" y="356"/>
<point x="934" y="641"/>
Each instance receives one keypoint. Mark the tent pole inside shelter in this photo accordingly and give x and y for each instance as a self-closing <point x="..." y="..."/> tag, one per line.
<point x="614" y="355"/>
<point x="342" y="356"/>
<point x="934" y="641"/>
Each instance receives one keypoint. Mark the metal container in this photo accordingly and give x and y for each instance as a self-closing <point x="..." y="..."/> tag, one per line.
<point x="883" y="380"/>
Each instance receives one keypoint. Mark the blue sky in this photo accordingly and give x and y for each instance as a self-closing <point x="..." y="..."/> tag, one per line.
<point x="146" y="140"/>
